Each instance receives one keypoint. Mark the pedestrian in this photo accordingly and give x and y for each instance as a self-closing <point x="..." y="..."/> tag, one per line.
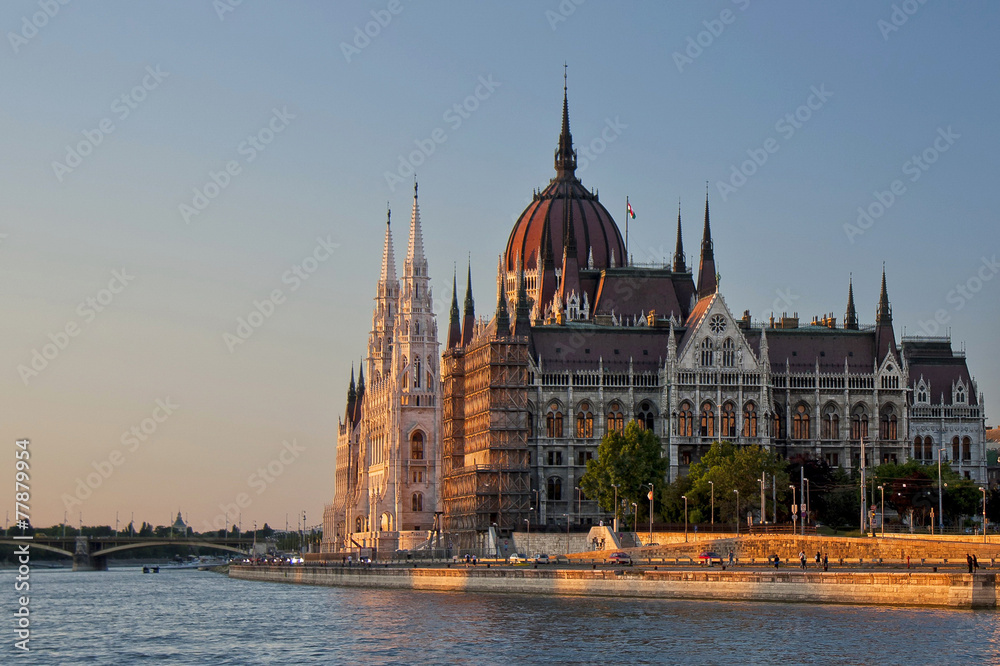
<point x="817" y="557"/>
<point x="969" y="559"/>
<point x="730" y="558"/>
<point x="776" y="561"/>
<point x="826" y="563"/>
<point x="907" y="561"/>
<point x="802" y="558"/>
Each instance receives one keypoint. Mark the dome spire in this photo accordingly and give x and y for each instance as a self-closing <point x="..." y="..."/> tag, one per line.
<point x="565" y="155"/>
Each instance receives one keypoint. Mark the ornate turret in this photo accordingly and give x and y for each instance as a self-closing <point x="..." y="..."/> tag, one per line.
<point x="352" y="398"/>
<point x="885" y="337"/>
<point x="502" y="315"/>
<point x="680" y="266"/>
<point x="565" y="155"/>
<point x="851" y="317"/>
<point x="707" y="282"/>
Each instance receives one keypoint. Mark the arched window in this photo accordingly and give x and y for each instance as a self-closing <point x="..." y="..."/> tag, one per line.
<point x="616" y="419"/>
<point x="707" y="353"/>
<point x="417" y="502"/>
<point x="728" y="421"/>
<point x="831" y="423"/>
<point x="358" y="524"/>
<point x="416" y="372"/>
<point x="685" y="420"/>
<point x="960" y="394"/>
<point x="778" y="423"/>
<point x="584" y="421"/>
<point x="707" y="427"/>
<point x="646" y="417"/>
<point x="553" y="488"/>
<point x="417" y="446"/>
<point x="918" y="448"/>
<point x="750" y="420"/>
<point x="954" y="448"/>
<point x="928" y="448"/>
<point x="800" y="423"/>
<point x="554" y="421"/>
<point x="966" y="448"/>
<point x="406" y="375"/>
<point x="859" y="422"/>
<point x="416" y="328"/>
<point x="887" y="423"/>
<point x="728" y="353"/>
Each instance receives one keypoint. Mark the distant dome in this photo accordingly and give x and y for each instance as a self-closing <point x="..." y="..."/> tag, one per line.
<point x="565" y="200"/>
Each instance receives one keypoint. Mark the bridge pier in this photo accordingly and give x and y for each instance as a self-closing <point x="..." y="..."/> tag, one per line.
<point x="84" y="560"/>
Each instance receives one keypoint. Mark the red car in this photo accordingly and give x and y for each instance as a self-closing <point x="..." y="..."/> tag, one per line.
<point x="620" y="557"/>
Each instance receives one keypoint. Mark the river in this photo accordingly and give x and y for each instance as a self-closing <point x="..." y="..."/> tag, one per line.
<point x="190" y="617"/>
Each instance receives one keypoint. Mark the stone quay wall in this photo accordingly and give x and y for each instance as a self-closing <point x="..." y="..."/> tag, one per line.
<point x="948" y="590"/>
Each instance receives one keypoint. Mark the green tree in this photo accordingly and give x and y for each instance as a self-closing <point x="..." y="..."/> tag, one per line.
<point x="729" y="468"/>
<point x="631" y="460"/>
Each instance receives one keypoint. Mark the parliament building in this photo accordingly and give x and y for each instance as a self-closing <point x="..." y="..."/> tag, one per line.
<point x="469" y="442"/>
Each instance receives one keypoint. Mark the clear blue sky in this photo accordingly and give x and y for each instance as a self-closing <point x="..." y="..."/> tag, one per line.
<point x="346" y="117"/>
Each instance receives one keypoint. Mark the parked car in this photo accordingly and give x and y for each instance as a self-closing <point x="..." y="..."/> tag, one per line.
<point x="541" y="558"/>
<point x="620" y="557"/>
<point x="708" y="557"/>
<point x="518" y="558"/>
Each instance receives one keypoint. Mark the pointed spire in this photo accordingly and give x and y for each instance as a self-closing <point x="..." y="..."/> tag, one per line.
<point x="352" y="392"/>
<point x="679" y="264"/>
<point x="388" y="258"/>
<point x="454" y="325"/>
<point x="361" y="379"/>
<point x="851" y="317"/>
<point x="565" y="155"/>
<point x="707" y="279"/>
<point x="522" y="314"/>
<point x="469" y="317"/>
<point x="502" y="315"/>
<point x="415" y="259"/>
<point x="884" y="314"/>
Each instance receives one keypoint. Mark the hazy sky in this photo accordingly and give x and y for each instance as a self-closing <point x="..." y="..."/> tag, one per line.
<point x="165" y="165"/>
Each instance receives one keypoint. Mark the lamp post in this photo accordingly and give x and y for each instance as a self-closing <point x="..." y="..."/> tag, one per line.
<point x="254" y="551"/>
<point x="527" y="542"/>
<point x="940" y="493"/>
<point x="882" y="516"/>
<point x="579" y="497"/>
<point x="496" y="541"/>
<point x="615" y="524"/>
<point x="737" y="491"/>
<point x="635" y="518"/>
<point x="685" y="517"/>
<point x="650" y="512"/>
<point x="795" y="508"/>
<point x="808" y="494"/>
<point x="983" y="491"/>
<point x="763" y="506"/>
<point x="712" y="484"/>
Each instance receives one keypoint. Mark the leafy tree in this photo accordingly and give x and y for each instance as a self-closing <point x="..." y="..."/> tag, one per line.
<point x="631" y="460"/>
<point x="267" y="531"/>
<point x="730" y="467"/>
<point x="146" y="530"/>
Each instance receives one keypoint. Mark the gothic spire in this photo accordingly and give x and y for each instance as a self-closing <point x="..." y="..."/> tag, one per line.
<point x="851" y="317"/>
<point x="416" y="263"/>
<point x="885" y="337"/>
<point x="388" y="258"/>
<point x="502" y="316"/>
<point x="469" y="315"/>
<point x="454" y="326"/>
<point x="351" y="390"/>
<point x="707" y="283"/>
<point x="680" y="265"/>
<point x="565" y="155"/>
<point x="522" y="316"/>
<point x="884" y="314"/>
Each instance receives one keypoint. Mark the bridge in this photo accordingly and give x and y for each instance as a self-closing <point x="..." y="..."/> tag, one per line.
<point x="91" y="553"/>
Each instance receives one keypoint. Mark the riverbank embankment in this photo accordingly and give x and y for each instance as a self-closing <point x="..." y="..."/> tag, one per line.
<point x="890" y="588"/>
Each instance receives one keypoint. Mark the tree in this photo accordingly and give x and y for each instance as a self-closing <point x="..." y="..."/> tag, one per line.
<point x="730" y="467"/>
<point x="631" y="460"/>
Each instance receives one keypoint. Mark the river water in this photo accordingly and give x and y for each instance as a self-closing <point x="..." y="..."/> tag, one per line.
<point x="191" y="617"/>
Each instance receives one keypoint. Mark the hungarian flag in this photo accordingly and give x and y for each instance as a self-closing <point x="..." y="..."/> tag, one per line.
<point x="628" y="206"/>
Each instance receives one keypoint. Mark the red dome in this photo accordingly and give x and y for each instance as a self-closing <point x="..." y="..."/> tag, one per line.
<point x="594" y="229"/>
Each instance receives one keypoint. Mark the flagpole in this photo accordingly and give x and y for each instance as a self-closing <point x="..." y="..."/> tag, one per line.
<point x="627" y="208"/>
<point x="864" y="501"/>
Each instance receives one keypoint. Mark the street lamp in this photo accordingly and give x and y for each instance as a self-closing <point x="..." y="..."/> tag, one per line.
<point x="650" y="512"/>
<point x="615" y="486"/>
<point x="983" y="491"/>
<point x="685" y="517"/>
<point x="635" y="518"/>
<point x="737" y="491"/>
<point x="795" y="508"/>
<point x="940" y="493"/>
<point x="712" y="484"/>
<point x="882" y="517"/>
<point x="527" y="542"/>
<point x="808" y="494"/>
